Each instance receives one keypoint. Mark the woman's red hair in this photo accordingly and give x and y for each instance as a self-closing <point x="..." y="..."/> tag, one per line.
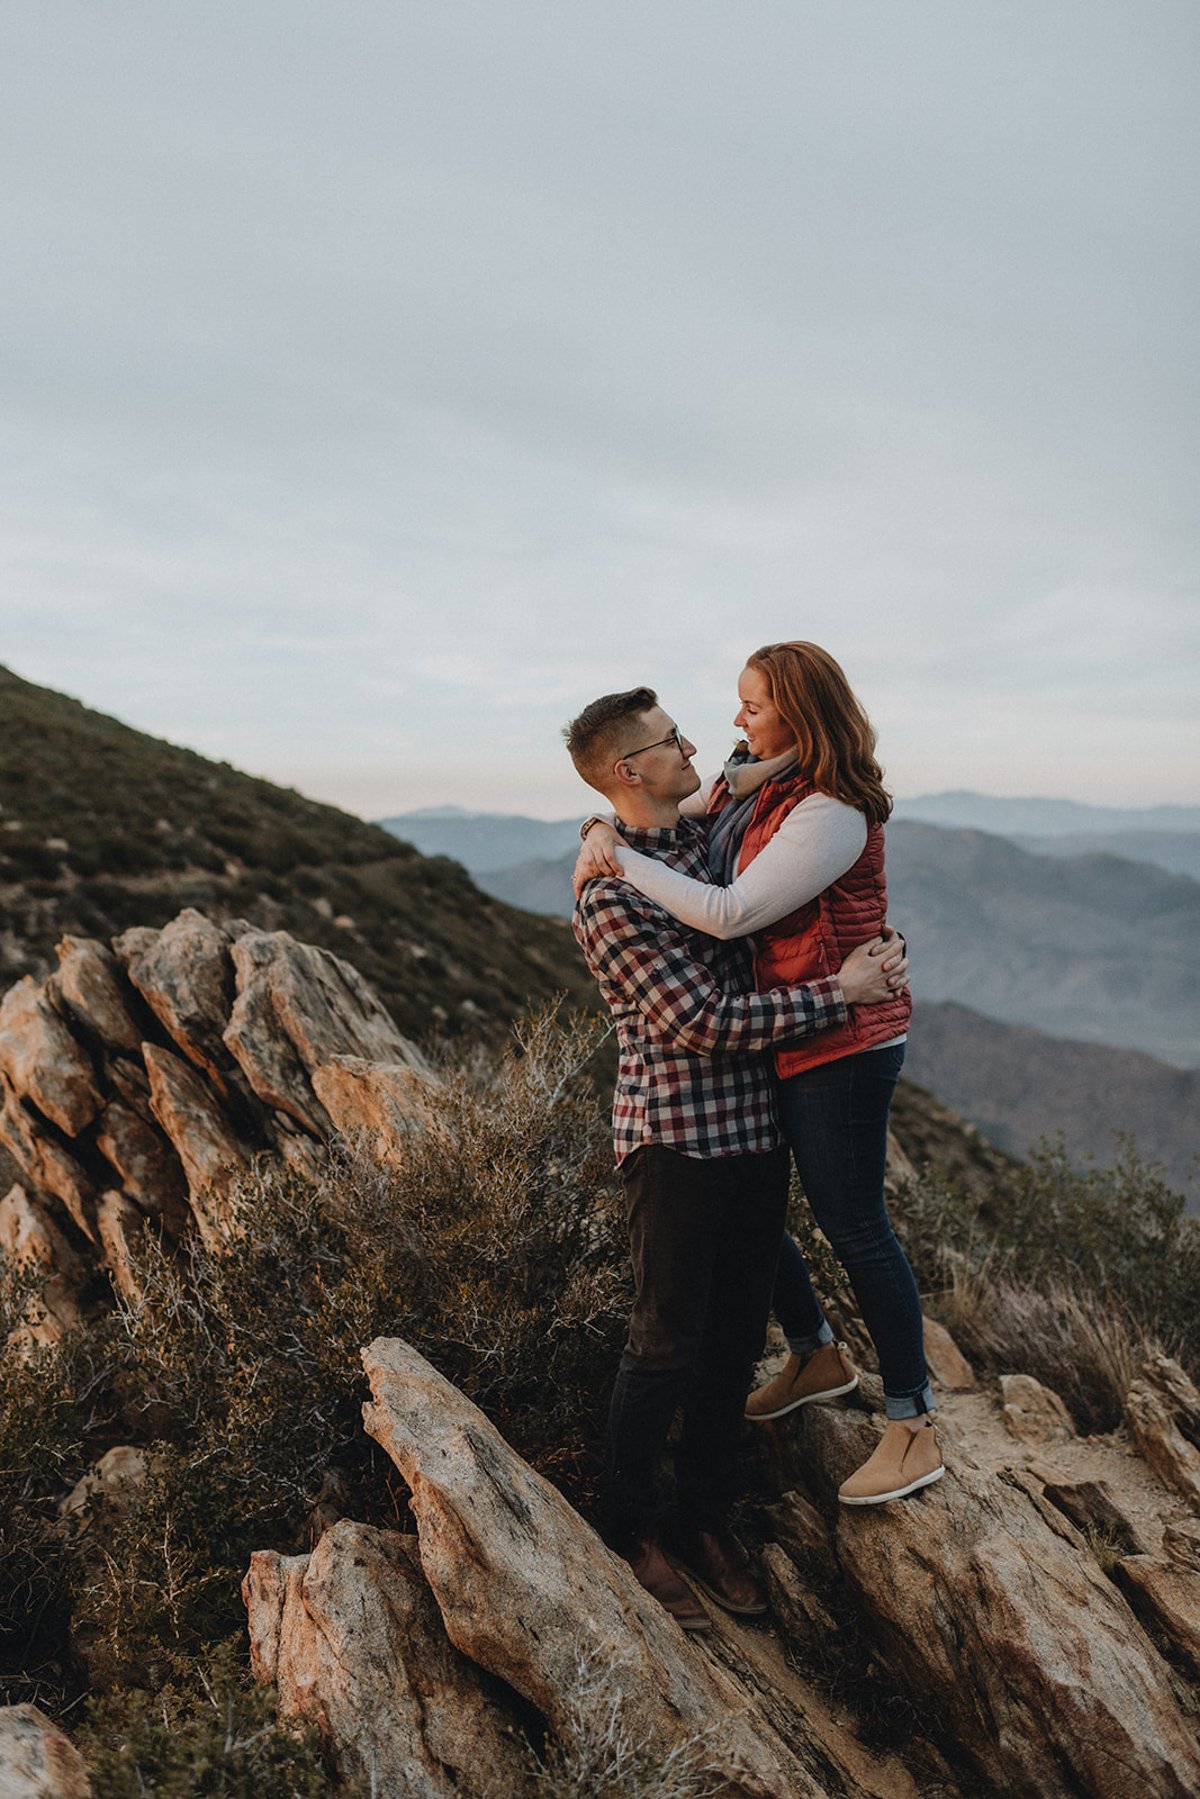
<point x="834" y="738"/>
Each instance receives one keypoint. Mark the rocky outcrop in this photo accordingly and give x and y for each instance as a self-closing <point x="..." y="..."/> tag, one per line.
<point x="34" y="1246"/>
<point x="138" y="1082"/>
<point x="36" y="1760"/>
<point x="1167" y="1598"/>
<point x="1162" y="1411"/>
<point x="353" y="1641"/>
<point x="527" y="1591"/>
<point x="1034" y="1413"/>
<point x="988" y="1608"/>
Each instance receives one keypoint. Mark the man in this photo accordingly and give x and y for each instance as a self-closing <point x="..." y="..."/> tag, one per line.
<point x="700" y="1159"/>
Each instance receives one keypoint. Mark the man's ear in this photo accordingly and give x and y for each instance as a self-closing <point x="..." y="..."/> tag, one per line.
<point x="625" y="776"/>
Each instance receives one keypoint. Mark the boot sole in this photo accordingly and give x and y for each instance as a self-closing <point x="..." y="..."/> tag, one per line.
<point x="726" y="1605"/>
<point x="793" y="1405"/>
<point x="925" y="1480"/>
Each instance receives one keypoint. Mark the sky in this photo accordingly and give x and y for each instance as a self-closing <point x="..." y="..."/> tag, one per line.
<point x="383" y="382"/>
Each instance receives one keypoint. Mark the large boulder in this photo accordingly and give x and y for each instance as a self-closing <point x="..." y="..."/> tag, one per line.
<point x="297" y="1008"/>
<point x="36" y="1760"/>
<point x="987" y="1608"/>
<point x="1162" y="1410"/>
<point x="185" y="975"/>
<point x="352" y="1640"/>
<point x="43" y="1061"/>
<point x="529" y="1592"/>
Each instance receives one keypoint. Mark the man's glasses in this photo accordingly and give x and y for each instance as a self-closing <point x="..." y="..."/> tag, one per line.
<point x="674" y="738"/>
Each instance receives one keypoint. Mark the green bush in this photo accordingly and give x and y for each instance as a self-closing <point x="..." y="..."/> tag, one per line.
<point x="493" y="1248"/>
<point x="205" y="1732"/>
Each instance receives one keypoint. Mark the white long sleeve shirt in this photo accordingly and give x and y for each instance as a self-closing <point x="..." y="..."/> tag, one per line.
<point x="818" y="841"/>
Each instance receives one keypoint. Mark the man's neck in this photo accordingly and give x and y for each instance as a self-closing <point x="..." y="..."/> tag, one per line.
<point x="641" y="812"/>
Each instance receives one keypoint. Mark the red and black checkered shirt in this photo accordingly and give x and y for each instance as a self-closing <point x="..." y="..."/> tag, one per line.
<point x="693" y="1074"/>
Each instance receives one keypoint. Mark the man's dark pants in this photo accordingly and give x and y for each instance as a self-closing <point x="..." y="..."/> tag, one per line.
<point x="704" y="1237"/>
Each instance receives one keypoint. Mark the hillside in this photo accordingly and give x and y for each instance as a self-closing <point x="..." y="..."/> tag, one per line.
<point x="102" y="827"/>
<point x="1027" y="938"/>
<point x="419" y="1579"/>
<point x="1058" y="948"/>
<point x="1093" y="948"/>
<point x="1018" y="1086"/>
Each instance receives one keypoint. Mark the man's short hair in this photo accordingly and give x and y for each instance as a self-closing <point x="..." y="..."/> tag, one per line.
<point x="595" y="739"/>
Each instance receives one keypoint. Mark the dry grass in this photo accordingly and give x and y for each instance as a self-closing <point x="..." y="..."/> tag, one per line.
<point x="1088" y="1348"/>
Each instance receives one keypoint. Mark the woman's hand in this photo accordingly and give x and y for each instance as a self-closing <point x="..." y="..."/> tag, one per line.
<point x="873" y="972"/>
<point x="596" y="856"/>
<point x="895" y="956"/>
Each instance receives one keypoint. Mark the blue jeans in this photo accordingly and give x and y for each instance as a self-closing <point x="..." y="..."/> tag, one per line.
<point x="835" y="1119"/>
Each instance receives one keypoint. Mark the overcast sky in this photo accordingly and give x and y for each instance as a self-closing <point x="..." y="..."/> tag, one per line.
<point x="382" y="382"/>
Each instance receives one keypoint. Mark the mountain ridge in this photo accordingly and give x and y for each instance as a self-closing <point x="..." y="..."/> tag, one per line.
<point x="103" y="827"/>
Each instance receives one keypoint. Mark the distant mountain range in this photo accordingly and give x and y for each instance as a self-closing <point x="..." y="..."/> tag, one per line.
<point x="1072" y="980"/>
<point x="1019" y="1085"/>
<point x="1167" y="837"/>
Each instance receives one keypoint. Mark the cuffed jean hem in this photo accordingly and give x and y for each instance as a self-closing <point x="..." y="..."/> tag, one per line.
<point x="910" y="1405"/>
<point x="815" y="1340"/>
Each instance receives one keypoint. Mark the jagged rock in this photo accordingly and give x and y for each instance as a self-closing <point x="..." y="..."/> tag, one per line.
<point x="43" y="1061"/>
<point x="297" y="1008"/>
<point x="1034" y="1413"/>
<point x="381" y="1101"/>
<point x="1182" y="1542"/>
<point x="352" y="1639"/>
<point x="805" y="1622"/>
<point x="990" y="1616"/>
<point x="110" y="1487"/>
<point x="1167" y="1597"/>
<point x="1162" y="1411"/>
<point x="205" y="1142"/>
<point x="89" y="984"/>
<point x="802" y="1531"/>
<point x="120" y="1224"/>
<point x="1092" y="1509"/>
<point x="947" y="1363"/>
<point x="150" y="1173"/>
<point x="30" y="1239"/>
<point x="529" y="1592"/>
<point x="43" y="1161"/>
<point x="185" y="975"/>
<point x="36" y="1760"/>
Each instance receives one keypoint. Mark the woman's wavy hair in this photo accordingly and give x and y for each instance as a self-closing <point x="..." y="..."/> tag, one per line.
<point x="834" y="736"/>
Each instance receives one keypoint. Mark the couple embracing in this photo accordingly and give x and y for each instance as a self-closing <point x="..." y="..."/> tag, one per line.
<point x="737" y="930"/>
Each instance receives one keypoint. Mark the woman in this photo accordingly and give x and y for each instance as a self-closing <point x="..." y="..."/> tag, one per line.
<point x="797" y="836"/>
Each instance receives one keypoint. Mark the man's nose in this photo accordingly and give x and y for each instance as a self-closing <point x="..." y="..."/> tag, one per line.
<point x="689" y="749"/>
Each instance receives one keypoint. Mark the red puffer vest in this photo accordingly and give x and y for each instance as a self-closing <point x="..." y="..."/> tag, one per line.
<point x="815" y="939"/>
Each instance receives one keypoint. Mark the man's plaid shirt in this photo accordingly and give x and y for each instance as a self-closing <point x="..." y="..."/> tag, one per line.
<point x="693" y="1074"/>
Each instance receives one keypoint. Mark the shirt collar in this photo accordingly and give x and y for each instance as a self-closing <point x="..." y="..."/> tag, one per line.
<point x="660" y="837"/>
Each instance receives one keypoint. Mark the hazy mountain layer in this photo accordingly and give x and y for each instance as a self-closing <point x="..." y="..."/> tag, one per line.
<point x="1019" y="1085"/>
<point x="1015" y="817"/>
<point x="1176" y="851"/>
<point x="1093" y="947"/>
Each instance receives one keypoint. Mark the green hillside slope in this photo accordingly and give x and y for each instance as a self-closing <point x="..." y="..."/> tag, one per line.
<point x="102" y="827"/>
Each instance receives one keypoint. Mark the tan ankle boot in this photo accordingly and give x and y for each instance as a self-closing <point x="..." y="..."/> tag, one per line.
<point x="903" y="1460"/>
<point x="822" y="1374"/>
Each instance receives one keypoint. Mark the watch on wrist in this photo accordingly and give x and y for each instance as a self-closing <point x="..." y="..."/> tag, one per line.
<point x="587" y="824"/>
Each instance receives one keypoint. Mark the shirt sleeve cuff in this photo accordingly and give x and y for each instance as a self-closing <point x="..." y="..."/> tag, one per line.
<point x="829" y="991"/>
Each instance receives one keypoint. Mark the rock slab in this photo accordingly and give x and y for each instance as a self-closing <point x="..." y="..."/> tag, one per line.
<point x="981" y="1608"/>
<point x="353" y="1641"/>
<point x="529" y="1592"/>
<point x="36" y="1760"/>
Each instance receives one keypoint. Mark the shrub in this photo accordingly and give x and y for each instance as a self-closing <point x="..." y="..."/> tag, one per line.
<point x="206" y="1731"/>
<point x="1116" y="1235"/>
<point x="44" y="1418"/>
<point x="490" y="1247"/>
